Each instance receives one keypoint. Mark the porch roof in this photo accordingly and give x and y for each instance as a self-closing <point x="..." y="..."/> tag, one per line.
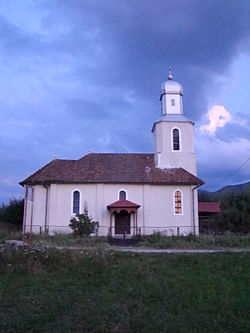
<point x="123" y="204"/>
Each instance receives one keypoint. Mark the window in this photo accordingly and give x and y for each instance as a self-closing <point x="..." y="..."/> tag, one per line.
<point x="176" y="139"/>
<point x="178" y="202"/>
<point x="122" y="195"/>
<point x="76" y="202"/>
<point x="172" y="102"/>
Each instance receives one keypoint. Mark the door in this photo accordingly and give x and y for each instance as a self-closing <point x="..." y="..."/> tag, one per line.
<point x="122" y="222"/>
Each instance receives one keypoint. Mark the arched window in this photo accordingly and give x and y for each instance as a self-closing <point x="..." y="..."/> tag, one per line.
<point x="122" y="195"/>
<point x="176" y="139"/>
<point x="178" y="202"/>
<point x="76" y="202"/>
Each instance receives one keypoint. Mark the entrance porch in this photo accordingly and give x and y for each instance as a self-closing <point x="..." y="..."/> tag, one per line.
<point x="123" y="219"/>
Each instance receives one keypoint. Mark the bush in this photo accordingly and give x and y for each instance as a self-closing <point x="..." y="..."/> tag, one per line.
<point x="82" y="224"/>
<point x="155" y="237"/>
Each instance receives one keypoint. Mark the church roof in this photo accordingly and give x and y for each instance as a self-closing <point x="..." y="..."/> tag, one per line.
<point x="110" y="168"/>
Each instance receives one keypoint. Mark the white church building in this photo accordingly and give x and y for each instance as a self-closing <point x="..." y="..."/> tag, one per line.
<point x="125" y="193"/>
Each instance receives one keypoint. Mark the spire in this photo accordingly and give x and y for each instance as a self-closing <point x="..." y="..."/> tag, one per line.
<point x="170" y="75"/>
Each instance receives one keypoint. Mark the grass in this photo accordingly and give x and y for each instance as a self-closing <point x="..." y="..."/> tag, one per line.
<point x="58" y="239"/>
<point x="87" y="291"/>
<point x="9" y="232"/>
<point x="65" y="240"/>
<point x="227" y="240"/>
<point x="156" y="240"/>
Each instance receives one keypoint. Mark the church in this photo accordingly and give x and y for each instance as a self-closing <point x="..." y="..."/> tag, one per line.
<point x="126" y="193"/>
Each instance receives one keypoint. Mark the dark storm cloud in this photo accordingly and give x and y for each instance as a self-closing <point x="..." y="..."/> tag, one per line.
<point x="137" y="43"/>
<point x="88" y="74"/>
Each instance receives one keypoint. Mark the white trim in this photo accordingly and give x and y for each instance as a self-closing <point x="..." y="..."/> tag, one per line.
<point x="182" y="203"/>
<point x="80" y="201"/>
<point x="122" y="189"/>
<point x="172" y="141"/>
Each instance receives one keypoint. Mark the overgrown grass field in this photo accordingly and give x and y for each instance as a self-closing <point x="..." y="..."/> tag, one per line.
<point x="156" y="240"/>
<point x="104" y="291"/>
<point x="226" y="240"/>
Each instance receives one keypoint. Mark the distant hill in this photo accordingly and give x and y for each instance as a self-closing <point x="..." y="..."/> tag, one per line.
<point x="215" y="196"/>
<point x="237" y="189"/>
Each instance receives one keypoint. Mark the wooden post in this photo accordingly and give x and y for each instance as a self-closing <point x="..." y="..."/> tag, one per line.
<point x="136" y="221"/>
<point x="31" y="219"/>
<point x="25" y="212"/>
<point x="111" y="213"/>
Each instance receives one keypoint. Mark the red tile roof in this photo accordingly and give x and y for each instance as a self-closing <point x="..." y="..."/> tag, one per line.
<point x="209" y="207"/>
<point x="110" y="168"/>
<point x="123" y="204"/>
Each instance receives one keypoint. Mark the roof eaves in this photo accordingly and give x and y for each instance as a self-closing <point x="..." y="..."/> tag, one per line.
<point x="48" y="182"/>
<point x="28" y="181"/>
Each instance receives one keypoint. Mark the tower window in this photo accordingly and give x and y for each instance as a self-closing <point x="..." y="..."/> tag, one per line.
<point x="122" y="195"/>
<point x="177" y="202"/>
<point x="176" y="139"/>
<point x="172" y="102"/>
<point x="76" y="202"/>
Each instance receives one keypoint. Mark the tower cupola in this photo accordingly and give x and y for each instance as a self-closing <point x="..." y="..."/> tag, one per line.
<point x="171" y="96"/>
<point x="173" y="132"/>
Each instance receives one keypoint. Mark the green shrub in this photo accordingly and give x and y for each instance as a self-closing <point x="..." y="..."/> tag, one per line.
<point x="82" y="224"/>
<point x="153" y="238"/>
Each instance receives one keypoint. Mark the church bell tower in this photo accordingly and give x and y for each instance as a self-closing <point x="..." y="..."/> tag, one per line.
<point x="173" y="133"/>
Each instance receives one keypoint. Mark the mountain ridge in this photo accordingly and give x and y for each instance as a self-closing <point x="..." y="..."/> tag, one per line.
<point x="205" y="195"/>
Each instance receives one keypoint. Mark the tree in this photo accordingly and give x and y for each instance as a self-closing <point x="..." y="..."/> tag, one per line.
<point x="13" y="212"/>
<point x="235" y="215"/>
<point x="82" y="224"/>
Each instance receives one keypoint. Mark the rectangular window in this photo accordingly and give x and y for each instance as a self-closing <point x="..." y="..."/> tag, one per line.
<point x="172" y="102"/>
<point x="76" y="202"/>
<point x="177" y="201"/>
<point x="176" y="139"/>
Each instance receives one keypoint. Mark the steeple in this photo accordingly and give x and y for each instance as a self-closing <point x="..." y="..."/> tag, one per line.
<point x="171" y="96"/>
<point x="173" y="132"/>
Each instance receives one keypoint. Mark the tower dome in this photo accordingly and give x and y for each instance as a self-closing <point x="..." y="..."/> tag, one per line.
<point x="170" y="86"/>
<point x="171" y="96"/>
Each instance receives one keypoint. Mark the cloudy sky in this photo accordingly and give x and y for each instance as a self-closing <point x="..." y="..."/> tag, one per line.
<point x="81" y="75"/>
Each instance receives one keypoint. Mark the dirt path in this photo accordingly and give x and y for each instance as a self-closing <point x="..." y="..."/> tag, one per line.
<point x="190" y="251"/>
<point x="157" y="251"/>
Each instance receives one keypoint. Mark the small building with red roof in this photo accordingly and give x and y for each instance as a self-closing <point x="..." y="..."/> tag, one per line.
<point x="208" y="211"/>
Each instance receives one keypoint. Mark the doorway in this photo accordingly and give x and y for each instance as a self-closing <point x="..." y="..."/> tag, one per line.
<point x="122" y="223"/>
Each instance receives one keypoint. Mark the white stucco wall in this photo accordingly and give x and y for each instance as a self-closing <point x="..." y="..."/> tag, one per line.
<point x="34" y="214"/>
<point x="166" y="156"/>
<point x="155" y="214"/>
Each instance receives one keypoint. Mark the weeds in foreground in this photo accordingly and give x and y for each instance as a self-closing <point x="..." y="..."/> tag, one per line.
<point x="229" y="240"/>
<point x="156" y="240"/>
<point x="69" y="240"/>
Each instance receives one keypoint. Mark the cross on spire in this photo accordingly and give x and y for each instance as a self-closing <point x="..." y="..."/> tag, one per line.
<point x="170" y="75"/>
